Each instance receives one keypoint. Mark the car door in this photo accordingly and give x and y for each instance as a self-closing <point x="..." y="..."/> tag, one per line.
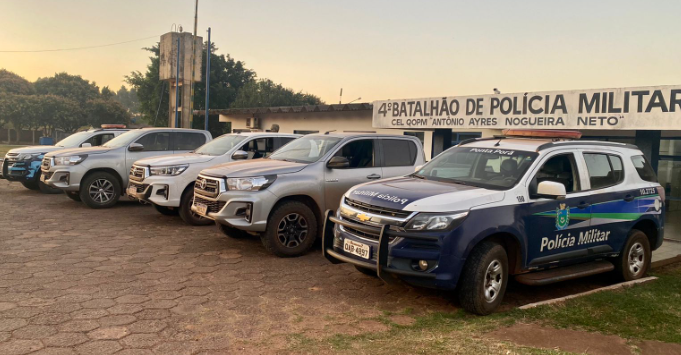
<point x="364" y="166"/>
<point x="615" y="208"/>
<point x="398" y="156"/>
<point x="184" y="142"/>
<point x="154" y="143"/>
<point x="553" y="227"/>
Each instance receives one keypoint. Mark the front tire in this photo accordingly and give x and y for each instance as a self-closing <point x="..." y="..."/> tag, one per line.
<point x="365" y="271"/>
<point x="31" y="185"/>
<point x="291" y="230"/>
<point x="634" y="260"/>
<point x="186" y="213"/>
<point x="100" y="190"/>
<point x="166" y="211"/>
<point x="484" y="279"/>
<point x="230" y="231"/>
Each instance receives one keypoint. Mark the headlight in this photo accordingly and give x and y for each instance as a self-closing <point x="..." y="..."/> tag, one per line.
<point x="168" y="170"/>
<point x="435" y="221"/>
<point x="251" y="183"/>
<point x="70" y="160"/>
<point x="28" y="156"/>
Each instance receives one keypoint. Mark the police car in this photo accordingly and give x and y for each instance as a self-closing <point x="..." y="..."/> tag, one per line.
<point x="541" y="206"/>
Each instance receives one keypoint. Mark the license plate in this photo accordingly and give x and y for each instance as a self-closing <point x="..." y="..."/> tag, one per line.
<point x="201" y="209"/>
<point x="132" y="190"/>
<point x="355" y="248"/>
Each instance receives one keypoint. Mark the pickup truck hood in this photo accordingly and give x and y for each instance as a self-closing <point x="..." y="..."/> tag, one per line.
<point x="175" y="159"/>
<point x="35" y="149"/>
<point x="256" y="167"/>
<point x="413" y="194"/>
<point x="79" y="151"/>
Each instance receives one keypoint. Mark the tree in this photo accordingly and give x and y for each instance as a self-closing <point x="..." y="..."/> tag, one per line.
<point x="227" y="77"/>
<point x="265" y="93"/>
<point x="102" y="110"/>
<point x="11" y="83"/>
<point x="73" y="87"/>
<point x="128" y="98"/>
<point x="12" y="108"/>
<point x="108" y="93"/>
<point x="62" y="113"/>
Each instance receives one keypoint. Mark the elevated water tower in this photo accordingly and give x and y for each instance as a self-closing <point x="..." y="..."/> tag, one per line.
<point x="179" y="78"/>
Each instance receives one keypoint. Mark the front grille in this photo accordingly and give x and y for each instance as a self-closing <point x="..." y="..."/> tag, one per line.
<point x="213" y="206"/>
<point x="46" y="164"/>
<point x="377" y="210"/>
<point x="207" y="186"/>
<point x="137" y="173"/>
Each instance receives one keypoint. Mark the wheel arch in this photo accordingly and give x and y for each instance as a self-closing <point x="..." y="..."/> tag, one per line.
<point x="509" y="241"/>
<point x="650" y="228"/>
<point x="305" y="199"/>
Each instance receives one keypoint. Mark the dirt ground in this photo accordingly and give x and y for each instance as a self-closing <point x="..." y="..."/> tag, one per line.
<point x="130" y="281"/>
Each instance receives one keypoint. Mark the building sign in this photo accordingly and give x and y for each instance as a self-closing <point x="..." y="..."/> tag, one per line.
<point x="653" y="107"/>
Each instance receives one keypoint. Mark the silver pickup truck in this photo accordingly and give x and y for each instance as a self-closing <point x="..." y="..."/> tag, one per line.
<point x="283" y="198"/>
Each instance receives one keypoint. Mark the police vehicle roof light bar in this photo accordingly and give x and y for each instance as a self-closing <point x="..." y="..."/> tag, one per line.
<point x="541" y="133"/>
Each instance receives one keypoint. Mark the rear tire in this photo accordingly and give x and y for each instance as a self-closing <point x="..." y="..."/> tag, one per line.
<point x="100" y="190"/>
<point x="291" y="230"/>
<point x="230" y="231"/>
<point x="484" y="279"/>
<point x="186" y="212"/>
<point x="73" y="195"/>
<point x="166" y="211"/>
<point x="634" y="260"/>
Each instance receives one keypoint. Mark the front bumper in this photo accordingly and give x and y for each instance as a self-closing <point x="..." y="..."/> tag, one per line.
<point x="393" y="260"/>
<point x="62" y="178"/>
<point x="228" y="208"/>
<point x="159" y="191"/>
<point x="20" y="170"/>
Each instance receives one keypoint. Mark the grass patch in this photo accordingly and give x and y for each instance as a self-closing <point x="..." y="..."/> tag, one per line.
<point x="651" y="311"/>
<point x="4" y="148"/>
<point x="644" y="312"/>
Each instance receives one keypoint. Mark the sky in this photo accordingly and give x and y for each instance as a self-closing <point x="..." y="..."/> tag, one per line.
<point x="372" y="49"/>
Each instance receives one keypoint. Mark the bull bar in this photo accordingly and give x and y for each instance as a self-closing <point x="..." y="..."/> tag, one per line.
<point x="383" y="271"/>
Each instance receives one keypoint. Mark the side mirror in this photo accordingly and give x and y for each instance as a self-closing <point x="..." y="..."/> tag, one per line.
<point x="240" y="155"/>
<point x="86" y="145"/>
<point x="338" y="163"/>
<point x="135" y="147"/>
<point x="551" y="189"/>
<point x="418" y="167"/>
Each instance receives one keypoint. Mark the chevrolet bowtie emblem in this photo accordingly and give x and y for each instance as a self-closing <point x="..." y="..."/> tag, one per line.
<point x="362" y="217"/>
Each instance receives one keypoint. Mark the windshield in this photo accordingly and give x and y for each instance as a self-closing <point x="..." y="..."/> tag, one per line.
<point x="306" y="150"/>
<point x="73" y="140"/>
<point x="483" y="167"/>
<point x="123" y="140"/>
<point x="220" y="145"/>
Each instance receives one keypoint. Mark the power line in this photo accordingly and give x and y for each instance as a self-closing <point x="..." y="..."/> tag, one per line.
<point x="80" y="48"/>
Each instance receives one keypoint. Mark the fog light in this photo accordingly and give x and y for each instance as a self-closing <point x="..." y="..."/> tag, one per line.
<point x="423" y="265"/>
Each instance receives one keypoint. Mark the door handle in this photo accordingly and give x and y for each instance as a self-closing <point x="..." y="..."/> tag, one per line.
<point x="582" y="205"/>
<point x="373" y="176"/>
<point x="629" y="198"/>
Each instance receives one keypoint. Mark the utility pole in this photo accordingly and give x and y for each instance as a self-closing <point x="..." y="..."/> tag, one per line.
<point x="207" y="80"/>
<point x="191" y="101"/>
<point x="177" y="87"/>
<point x="340" y="99"/>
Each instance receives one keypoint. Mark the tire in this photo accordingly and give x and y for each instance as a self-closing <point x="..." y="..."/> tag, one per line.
<point x="291" y="230"/>
<point x="100" y="190"/>
<point x="31" y="185"/>
<point x="166" y="211"/>
<point x="185" y="210"/>
<point x="73" y="195"/>
<point x="366" y="271"/>
<point x="634" y="260"/>
<point x="477" y="295"/>
<point x="230" y="231"/>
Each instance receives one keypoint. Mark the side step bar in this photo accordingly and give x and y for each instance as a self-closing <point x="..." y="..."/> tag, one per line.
<point x="565" y="273"/>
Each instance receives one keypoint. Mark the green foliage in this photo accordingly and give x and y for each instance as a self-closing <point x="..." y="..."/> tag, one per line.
<point x="128" y="98"/>
<point x="104" y="110"/>
<point x="266" y="93"/>
<point x="152" y="93"/>
<point x="73" y="87"/>
<point x="11" y="83"/>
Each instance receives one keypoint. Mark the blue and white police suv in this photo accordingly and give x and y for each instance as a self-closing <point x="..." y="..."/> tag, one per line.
<point x="539" y="205"/>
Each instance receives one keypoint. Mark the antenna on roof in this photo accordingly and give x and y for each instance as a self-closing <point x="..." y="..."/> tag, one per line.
<point x="327" y="132"/>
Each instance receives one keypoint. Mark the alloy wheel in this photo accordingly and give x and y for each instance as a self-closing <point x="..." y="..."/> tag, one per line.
<point x="493" y="281"/>
<point x="101" y="191"/>
<point x="292" y="230"/>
